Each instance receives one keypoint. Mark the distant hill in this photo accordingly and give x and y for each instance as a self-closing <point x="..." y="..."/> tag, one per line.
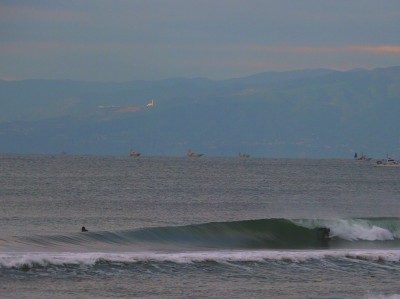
<point x="310" y="113"/>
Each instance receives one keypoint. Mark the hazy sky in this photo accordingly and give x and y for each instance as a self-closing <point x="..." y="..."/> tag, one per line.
<point x="123" y="40"/>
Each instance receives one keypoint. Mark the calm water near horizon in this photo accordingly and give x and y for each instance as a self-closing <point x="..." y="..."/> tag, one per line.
<point x="166" y="227"/>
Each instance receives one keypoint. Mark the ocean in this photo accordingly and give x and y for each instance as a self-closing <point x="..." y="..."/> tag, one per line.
<point x="178" y="227"/>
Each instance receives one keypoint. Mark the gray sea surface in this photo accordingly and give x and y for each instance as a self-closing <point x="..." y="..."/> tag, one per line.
<point x="169" y="227"/>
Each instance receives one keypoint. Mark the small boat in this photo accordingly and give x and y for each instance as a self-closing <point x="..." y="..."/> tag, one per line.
<point x="243" y="155"/>
<point x="192" y="154"/>
<point x="134" y="154"/>
<point x="363" y="158"/>
<point x="388" y="162"/>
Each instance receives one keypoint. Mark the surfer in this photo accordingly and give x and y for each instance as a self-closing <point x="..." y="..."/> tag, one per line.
<point x="325" y="233"/>
<point x="83" y="229"/>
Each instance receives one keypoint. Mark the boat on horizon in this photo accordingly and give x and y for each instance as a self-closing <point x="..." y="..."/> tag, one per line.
<point x="191" y="154"/>
<point x="134" y="154"/>
<point x="387" y="162"/>
<point x="243" y="155"/>
<point x="362" y="158"/>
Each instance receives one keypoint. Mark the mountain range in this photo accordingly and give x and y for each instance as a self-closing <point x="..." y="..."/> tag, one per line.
<point x="318" y="113"/>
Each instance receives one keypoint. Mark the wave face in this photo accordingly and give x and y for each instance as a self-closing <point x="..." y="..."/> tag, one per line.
<point x="362" y="244"/>
<point x="383" y="233"/>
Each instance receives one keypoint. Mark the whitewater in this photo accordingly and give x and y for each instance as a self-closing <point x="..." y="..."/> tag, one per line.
<point x="164" y="227"/>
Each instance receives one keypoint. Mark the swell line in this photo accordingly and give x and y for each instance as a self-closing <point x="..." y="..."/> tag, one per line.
<point x="245" y="234"/>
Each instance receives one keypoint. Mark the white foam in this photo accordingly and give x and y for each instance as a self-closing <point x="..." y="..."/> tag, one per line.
<point x="351" y="229"/>
<point x="10" y="260"/>
<point x="360" y="230"/>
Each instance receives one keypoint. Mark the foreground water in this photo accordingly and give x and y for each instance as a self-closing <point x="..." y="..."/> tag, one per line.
<point x="207" y="227"/>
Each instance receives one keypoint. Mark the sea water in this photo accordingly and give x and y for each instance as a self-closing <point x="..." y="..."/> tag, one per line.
<point x="168" y="227"/>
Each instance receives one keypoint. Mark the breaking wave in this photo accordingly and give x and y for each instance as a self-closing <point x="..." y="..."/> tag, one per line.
<point x="374" y="241"/>
<point x="270" y="234"/>
<point x="26" y="261"/>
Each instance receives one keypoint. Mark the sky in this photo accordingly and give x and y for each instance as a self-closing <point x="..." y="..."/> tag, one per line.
<point x="125" y="40"/>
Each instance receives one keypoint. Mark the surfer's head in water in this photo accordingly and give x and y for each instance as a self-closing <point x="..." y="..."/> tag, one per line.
<point x="83" y="229"/>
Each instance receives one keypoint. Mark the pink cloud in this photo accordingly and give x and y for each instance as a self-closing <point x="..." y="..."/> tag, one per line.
<point x="9" y="78"/>
<point x="30" y="13"/>
<point x="376" y="49"/>
<point x="383" y="49"/>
